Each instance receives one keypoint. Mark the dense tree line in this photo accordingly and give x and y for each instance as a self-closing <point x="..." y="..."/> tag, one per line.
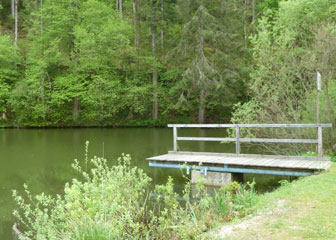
<point x="98" y="62"/>
<point x="136" y="62"/>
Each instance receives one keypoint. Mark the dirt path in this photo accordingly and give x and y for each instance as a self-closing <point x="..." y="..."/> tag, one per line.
<point x="255" y="227"/>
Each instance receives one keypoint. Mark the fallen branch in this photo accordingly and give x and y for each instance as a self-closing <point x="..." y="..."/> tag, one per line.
<point x="18" y="233"/>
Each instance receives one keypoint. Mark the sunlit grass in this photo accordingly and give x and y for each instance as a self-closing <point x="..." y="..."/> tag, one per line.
<point x="303" y="209"/>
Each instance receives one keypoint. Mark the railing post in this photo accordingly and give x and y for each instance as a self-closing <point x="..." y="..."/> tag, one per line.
<point x="319" y="142"/>
<point x="237" y="140"/>
<point x="175" y="139"/>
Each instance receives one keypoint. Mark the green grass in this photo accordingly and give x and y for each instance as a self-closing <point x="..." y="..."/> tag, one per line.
<point x="314" y="154"/>
<point x="303" y="209"/>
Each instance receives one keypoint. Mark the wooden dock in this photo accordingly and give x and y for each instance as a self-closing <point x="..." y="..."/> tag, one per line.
<point x="244" y="163"/>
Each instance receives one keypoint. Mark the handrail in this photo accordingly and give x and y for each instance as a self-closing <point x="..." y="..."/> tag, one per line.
<point x="237" y="139"/>
<point x="294" y="125"/>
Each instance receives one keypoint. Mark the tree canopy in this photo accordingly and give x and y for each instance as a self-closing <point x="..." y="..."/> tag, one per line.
<point x="140" y="63"/>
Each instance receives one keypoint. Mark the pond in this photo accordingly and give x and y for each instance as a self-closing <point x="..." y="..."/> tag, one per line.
<point x="42" y="158"/>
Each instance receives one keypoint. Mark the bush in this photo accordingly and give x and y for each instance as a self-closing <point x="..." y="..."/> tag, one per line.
<point x="115" y="203"/>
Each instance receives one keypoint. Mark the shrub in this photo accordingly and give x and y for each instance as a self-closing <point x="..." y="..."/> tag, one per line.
<point x="115" y="203"/>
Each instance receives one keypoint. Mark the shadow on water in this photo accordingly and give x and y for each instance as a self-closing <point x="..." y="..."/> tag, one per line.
<point x="42" y="158"/>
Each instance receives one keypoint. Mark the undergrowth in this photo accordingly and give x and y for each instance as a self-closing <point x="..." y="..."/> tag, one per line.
<point x="314" y="154"/>
<point x="114" y="203"/>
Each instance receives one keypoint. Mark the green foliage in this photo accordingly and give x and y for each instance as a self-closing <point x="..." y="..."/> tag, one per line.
<point x="290" y="46"/>
<point x="92" y="63"/>
<point x="114" y="203"/>
<point x="314" y="154"/>
<point x="235" y="200"/>
<point x="211" y="76"/>
<point x="98" y="205"/>
<point x="9" y="71"/>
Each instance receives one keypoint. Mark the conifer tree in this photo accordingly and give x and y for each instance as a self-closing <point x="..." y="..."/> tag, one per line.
<point x="202" y="49"/>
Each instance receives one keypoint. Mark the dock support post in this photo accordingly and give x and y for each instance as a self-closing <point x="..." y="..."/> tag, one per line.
<point x="319" y="142"/>
<point x="212" y="178"/>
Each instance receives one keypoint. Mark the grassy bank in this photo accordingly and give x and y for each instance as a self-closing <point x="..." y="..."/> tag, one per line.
<point x="304" y="209"/>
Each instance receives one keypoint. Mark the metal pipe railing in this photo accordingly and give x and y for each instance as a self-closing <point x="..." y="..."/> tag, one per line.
<point x="238" y="140"/>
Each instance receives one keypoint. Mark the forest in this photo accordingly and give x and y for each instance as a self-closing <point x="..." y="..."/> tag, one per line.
<point x="146" y="63"/>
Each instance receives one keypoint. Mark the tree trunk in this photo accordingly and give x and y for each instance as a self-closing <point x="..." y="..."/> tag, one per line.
<point x="138" y="20"/>
<point x="43" y="93"/>
<point x="245" y="23"/>
<point x="162" y="18"/>
<point x="202" y="74"/>
<point x="130" y="115"/>
<point x="76" y="109"/>
<point x="137" y="30"/>
<point x="41" y="26"/>
<point x="13" y="7"/>
<point x="155" y="75"/>
<point x="135" y="21"/>
<point x="253" y="15"/>
<point x="120" y="9"/>
<point x="4" y="116"/>
<point x="201" y="113"/>
<point x="16" y="21"/>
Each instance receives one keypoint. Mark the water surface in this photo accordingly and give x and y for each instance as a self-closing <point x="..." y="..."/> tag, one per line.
<point x="42" y="158"/>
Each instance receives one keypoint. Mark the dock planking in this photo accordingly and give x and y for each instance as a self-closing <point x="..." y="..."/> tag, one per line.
<point x="244" y="163"/>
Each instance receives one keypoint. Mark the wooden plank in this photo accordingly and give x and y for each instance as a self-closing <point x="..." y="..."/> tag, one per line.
<point x="217" y="159"/>
<point x="208" y="158"/>
<point x="305" y="164"/>
<point x="255" y="162"/>
<point x="249" y="125"/>
<point x="249" y="155"/>
<point x="169" y="156"/>
<point x="262" y="162"/>
<point x="326" y="165"/>
<point x="293" y="164"/>
<point x="235" y="161"/>
<point x="312" y="165"/>
<point x="201" y="158"/>
<point x="243" y="161"/>
<point x="318" y="165"/>
<point x="271" y="162"/>
<point x="287" y="164"/>
<point x="277" y="163"/>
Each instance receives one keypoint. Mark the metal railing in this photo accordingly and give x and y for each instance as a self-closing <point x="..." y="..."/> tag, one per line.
<point x="238" y="139"/>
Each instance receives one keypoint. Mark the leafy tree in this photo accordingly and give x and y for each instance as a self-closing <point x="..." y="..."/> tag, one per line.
<point x="286" y="54"/>
<point x="102" y="49"/>
<point x="9" y="71"/>
<point x="111" y="62"/>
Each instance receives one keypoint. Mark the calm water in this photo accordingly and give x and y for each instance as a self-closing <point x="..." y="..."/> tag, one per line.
<point x="42" y="158"/>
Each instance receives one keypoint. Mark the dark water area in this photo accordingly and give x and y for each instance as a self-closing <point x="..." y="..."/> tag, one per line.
<point x="42" y="158"/>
